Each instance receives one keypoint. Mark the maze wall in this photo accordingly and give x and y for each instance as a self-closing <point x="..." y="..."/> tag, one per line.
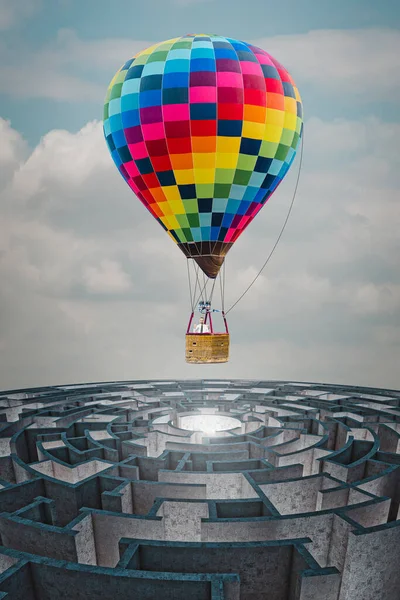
<point x="107" y="491"/>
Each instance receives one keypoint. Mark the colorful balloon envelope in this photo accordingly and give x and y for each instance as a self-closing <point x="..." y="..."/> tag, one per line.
<point x="203" y="129"/>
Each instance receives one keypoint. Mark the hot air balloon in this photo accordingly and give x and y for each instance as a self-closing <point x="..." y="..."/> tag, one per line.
<point x="203" y="129"/>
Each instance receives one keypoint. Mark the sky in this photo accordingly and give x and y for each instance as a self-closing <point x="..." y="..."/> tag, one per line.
<point x="92" y="289"/>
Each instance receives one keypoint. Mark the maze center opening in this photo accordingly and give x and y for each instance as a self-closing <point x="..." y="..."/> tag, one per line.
<point x="208" y="423"/>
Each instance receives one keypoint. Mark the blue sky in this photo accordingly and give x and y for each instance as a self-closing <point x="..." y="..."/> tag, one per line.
<point x="91" y="286"/>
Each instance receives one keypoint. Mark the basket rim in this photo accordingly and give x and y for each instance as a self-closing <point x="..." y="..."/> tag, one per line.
<point x="208" y="334"/>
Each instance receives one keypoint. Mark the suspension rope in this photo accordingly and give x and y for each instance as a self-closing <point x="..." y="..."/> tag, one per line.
<point x="201" y="289"/>
<point x="205" y="281"/>
<point x="222" y="293"/>
<point x="281" y="232"/>
<point x="201" y="295"/>
<point x="203" y="292"/>
<point x="190" y="284"/>
<point x="197" y="283"/>
<point x="223" y="286"/>
<point x="212" y="289"/>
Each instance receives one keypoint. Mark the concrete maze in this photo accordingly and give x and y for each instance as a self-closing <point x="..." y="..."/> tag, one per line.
<point x="200" y="490"/>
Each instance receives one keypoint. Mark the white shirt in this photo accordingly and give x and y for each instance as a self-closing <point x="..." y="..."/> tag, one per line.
<point x="201" y="328"/>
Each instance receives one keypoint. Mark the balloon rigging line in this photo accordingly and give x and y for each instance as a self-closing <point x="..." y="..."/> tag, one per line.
<point x="281" y="232"/>
<point x="201" y="295"/>
<point x="205" y="286"/>
<point x="212" y="289"/>
<point x="198" y="284"/>
<point x="221" y="285"/>
<point x="190" y="284"/>
<point x="202" y="292"/>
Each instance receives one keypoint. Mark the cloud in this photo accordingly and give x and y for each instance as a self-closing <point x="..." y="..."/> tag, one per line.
<point x="65" y="69"/>
<point x="93" y="289"/>
<point x="12" y="12"/>
<point x="336" y="63"/>
<point x="361" y="62"/>
<point x="352" y="138"/>
<point x="107" y="277"/>
<point x="72" y="226"/>
<point x="13" y="147"/>
<point x="13" y="150"/>
<point x="52" y="162"/>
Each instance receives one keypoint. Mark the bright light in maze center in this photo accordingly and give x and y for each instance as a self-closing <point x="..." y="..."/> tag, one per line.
<point x="208" y="423"/>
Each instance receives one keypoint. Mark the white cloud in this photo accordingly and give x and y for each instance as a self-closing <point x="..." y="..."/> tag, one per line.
<point x="13" y="150"/>
<point x="66" y="68"/>
<point x="46" y="82"/>
<point x="106" y="278"/>
<point x="13" y="147"/>
<point x="379" y="139"/>
<point x="52" y="162"/>
<point x="102" y="54"/>
<point x="93" y="289"/>
<point x="12" y="12"/>
<point x="304" y="293"/>
<point x="365" y="62"/>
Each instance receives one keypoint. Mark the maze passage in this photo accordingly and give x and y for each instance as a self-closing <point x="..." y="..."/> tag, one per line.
<point x="201" y="490"/>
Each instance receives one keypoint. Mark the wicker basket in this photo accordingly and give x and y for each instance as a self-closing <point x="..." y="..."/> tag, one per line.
<point x="207" y="348"/>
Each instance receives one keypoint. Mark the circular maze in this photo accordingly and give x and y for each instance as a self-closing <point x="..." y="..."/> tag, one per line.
<point x="200" y="490"/>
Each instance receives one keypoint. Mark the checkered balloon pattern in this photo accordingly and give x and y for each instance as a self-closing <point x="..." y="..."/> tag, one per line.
<point x="203" y="129"/>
